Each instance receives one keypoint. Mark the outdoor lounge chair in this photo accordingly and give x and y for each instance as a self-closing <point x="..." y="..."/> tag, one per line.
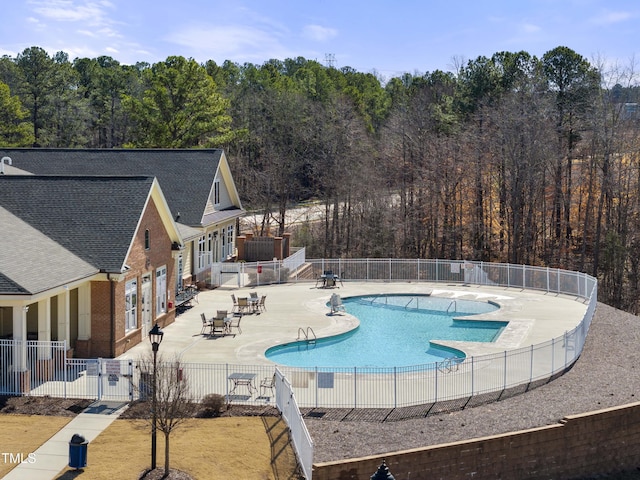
<point x="267" y="383"/>
<point x="336" y="304"/>
<point x="206" y="324"/>
<point x="235" y="323"/>
<point x="243" y="305"/>
<point x="218" y="327"/>
<point x="261" y="307"/>
<point x="235" y="303"/>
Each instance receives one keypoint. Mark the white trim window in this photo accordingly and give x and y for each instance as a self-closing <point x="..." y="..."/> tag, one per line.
<point x="179" y="282"/>
<point x="131" y="305"/>
<point x="229" y="245"/>
<point x="201" y="252"/>
<point x="161" y="290"/>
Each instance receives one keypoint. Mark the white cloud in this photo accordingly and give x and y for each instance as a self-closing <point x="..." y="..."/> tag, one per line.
<point x="319" y="33"/>
<point x="70" y="10"/>
<point x="231" y="42"/>
<point x="609" y="18"/>
<point x="530" y="28"/>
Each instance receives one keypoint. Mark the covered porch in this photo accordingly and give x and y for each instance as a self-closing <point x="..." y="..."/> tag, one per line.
<point x="62" y="315"/>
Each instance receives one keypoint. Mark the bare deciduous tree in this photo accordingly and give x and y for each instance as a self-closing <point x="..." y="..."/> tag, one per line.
<point x="173" y="403"/>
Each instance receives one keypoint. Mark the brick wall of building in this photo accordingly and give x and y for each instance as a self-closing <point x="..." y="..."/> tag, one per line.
<point x="99" y="344"/>
<point x="105" y="342"/>
<point x="600" y="442"/>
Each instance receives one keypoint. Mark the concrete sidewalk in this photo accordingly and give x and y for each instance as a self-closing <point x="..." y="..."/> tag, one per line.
<point x="53" y="456"/>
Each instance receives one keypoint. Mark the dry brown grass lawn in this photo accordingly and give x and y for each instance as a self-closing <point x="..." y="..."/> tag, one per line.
<point x="23" y="434"/>
<point x="228" y="447"/>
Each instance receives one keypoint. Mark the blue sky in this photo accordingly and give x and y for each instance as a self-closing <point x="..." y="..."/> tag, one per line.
<point x="387" y="37"/>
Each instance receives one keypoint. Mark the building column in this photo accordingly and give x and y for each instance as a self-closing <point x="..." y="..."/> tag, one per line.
<point x="22" y="374"/>
<point x="240" y="245"/>
<point x="83" y="349"/>
<point x="277" y="248"/>
<point x="44" y="367"/>
<point x="64" y="321"/>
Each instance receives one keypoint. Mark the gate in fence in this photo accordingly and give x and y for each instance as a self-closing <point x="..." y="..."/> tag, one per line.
<point x="42" y="368"/>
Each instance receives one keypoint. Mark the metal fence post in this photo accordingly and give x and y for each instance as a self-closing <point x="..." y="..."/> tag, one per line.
<point x="130" y="373"/>
<point x="548" y="280"/>
<point x="99" y="379"/>
<point x="355" y="387"/>
<point x="504" y="386"/>
<point x="395" y="387"/>
<point x="473" y="376"/>
<point x="531" y="366"/>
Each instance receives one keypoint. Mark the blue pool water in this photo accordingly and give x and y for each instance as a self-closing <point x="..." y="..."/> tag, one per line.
<point x="394" y="331"/>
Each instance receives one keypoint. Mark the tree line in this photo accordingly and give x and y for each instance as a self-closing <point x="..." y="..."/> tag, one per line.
<point x="510" y="158"/>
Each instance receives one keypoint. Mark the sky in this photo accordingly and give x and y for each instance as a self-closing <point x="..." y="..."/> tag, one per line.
<point x="384" y="37"/>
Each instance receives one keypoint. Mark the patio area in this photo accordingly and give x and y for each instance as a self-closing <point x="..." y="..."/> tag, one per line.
<point x="533" y="317"/>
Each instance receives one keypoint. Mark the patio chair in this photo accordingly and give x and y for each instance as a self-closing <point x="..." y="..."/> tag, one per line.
<point x="235" y="303"/>
<point x="218" y="327"/>
<point x="243" y="305"/>
<point x="235" y="323"/>
<point x="253" y="301"/>
<point x="261" y="305"/>
<point x="206" y="324"/>
<point x="267" y="383"/>
<point x="336" y="304"/>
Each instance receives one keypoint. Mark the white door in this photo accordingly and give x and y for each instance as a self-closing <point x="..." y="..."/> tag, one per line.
<point x="146" y="304"/>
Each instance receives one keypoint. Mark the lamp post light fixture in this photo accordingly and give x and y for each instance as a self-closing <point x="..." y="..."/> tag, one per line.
<point x="155" y="337"/>
<point x="382" y="473"/>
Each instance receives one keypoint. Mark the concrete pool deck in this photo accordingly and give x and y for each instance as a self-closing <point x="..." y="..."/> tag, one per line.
<point x="534" y="317"/>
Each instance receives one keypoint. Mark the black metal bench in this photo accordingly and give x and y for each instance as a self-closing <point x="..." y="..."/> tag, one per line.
<point x="184" y="298"/>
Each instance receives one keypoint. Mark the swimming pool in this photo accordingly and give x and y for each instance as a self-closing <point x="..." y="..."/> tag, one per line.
<point x="394" y="331"/>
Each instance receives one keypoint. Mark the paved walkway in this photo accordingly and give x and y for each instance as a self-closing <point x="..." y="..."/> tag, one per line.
<point x="53" y="456"/>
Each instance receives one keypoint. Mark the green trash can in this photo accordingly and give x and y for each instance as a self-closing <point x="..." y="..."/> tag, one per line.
<point x="78" y="451"/>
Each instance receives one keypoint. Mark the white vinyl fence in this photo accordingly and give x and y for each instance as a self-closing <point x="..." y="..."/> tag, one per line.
<point x="300" y="437"/>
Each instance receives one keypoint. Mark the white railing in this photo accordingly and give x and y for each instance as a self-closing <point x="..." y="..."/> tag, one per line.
<point x="300" y="437"/>
<point x="554" y="280"/>
<point x="295" y="261"/>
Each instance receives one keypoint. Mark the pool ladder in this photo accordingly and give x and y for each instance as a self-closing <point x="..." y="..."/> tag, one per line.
<point x="306" y="334"/>
<point x="454" y="305"/>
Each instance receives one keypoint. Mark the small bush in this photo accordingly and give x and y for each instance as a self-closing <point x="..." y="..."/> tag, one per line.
<point x="212" y="405"/>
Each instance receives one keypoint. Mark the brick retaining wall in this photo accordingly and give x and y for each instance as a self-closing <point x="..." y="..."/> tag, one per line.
<point x="603" y="441"/>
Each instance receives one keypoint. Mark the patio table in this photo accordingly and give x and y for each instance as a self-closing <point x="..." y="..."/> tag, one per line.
<point x="242" y="379"/>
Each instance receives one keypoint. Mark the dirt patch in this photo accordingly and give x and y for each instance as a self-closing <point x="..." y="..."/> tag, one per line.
<point x="60" y="407"/>
<point x="158" y="474"/>
<point x="69" y="407"/>
<point x="140" y="410"/>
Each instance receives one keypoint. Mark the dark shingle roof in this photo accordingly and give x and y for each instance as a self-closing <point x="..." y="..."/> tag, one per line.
<point x="185" y="176"/>
<point x="8" y="286"/>
<point x="94" y="218"/>
<point x="26" y="253"/>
